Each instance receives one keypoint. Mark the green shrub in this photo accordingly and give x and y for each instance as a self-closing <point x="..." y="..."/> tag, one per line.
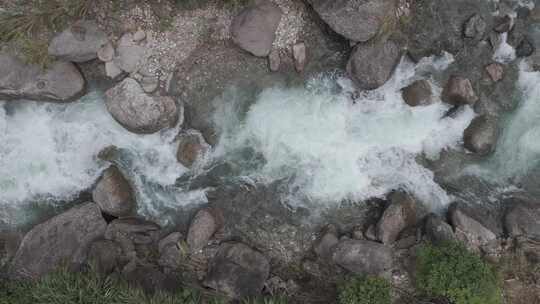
<point x="270" y="300"/>
<point x="364" y="290"/>
<point x="452" y="272"/>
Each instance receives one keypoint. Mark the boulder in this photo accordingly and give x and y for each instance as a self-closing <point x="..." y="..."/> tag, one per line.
<point x="9" y="243"/>
<point x="400" y="214"/>
<point x="418" y="93"/>
<point x="525" y="48"/>
<point x="495" y="71"/>
<point x="130" y="55"/>
<point x="481" y="135"/>
<point x="353" y="19"/>
<point x="469" y="230"/>
<point x="139" y="112"/>
<point x="202" y="228"/>
<point x="522" y="218"/>
<point x="237" y="271"/>
<point x="363" y="257"/>
<point x="191" y="147"/>
<point x="475" y="27"/>
<point x="104" y="256"/>
<point x="114" y="195"/>
<point x="106" y="52"/>
<point x="371" y="65"/>
<point x="78" y="43"/>
<point x="170" y="251"/>
<point x="254" y="28"/>
<point x="60" y="82"/>
<point x="324" y="245"/>
<point x="459" y="91"/>
<point x="437" y="230"/>
<point x="503" y="24"/>
<point x="112" y="71"/>
<point x="64" y="238"/>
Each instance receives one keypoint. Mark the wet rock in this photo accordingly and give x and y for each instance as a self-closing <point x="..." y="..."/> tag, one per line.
<point x="503" y="24"/>
<point x="104" y="256"/>
<point x="475" y="27"/>
<point x="363" y="257"/>
<point x="274" y="61"/>
<point x="79" y="43"/>
<point x="114" y="195"/>
<point x="238" y="271"/>
<point x="459" y="91"/>
<point x="325" y="243"/>
<point x="522" y="218"/>
<point x="191" y="147"/>
<point x="170" y="252"/>
<point x="481" y="135"/>
<point x="254" y="28"/>
<point x="437" y="230"/>
<point x="9" y="243"/>
<point x="418" y="93"/>
<point x="525" y="48"/>
<point x="299" y="54"/>
<point x="106" y="52"/>
<point x="60" y="82"/>
<point x="202" y="228"/>
<point x="467" y="229"/>
<point x="64" y="238"/>
<point x="355" y="20"/>
<point x="371" y="65"/>
<point x="130" y="56"/>
<point x="400" y="214"/>
<point x="495" y="71"/>
<point x="139" y="112"/>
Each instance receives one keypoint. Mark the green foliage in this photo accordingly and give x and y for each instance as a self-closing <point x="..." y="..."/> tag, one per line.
<point x="364" y="290"/>
<point x="452" y="272"/>
<point x="270" y="300"/>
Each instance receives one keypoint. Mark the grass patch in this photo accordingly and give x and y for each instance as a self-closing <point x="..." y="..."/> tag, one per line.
<point x="450" y="271"/>
<point x="364" y="290"/>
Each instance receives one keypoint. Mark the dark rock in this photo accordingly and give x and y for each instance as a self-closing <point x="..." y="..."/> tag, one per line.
<point x="170" y="251"/>
<point x="79" y="43"/>
<point x="459" y="91"/>
<point x="481" y="135"/>
<point x="438" y="231"/>
<point x="495" y="71"/>
<point x="418" y="93"/>
<point x="475" y="27"/>
<point x="371" y="233"/>
<point x="9" y="243"/>
<point x="60" y="82"/>
<point x="355" y="20"/>
<point x="363" y="257"/>
<point x="254" y="28"/>
<point x="400" y="214"/>
<point x="139" y="112"/>
<point x="137" y="237"/>
<point x="114" y="195"/>
<point x="503" y="24"/>
<point x="522" y="218"/>
<point x="191" y="147"/>
<point x="64" y="238"/>
<point x="525" y="48"/>
<point x="371" y="65"/>
<point x="238" y="271"/>
<point x="104" y="256"/>
<point x="325" y="243"/>
<point x="202" y="228"/>
<point x="467" y="229"/>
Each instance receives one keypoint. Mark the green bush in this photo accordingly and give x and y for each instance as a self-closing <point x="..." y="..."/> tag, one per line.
<point x="271" y="300"/>
<point x="364" y="290"/>
<point x="452" y="272"/>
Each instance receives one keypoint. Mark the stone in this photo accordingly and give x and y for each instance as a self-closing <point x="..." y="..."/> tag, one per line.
<point x="202" y="228"/>
<point x="139" y="36"/>
<point x="104" y="256"/>
<point x="106" y="52"/>
<point x="357" y="21"/>
<point x="191" y="147"/>
<point x="522" y="218"/>
<point x="495" y="71"/>
<point x="254" y="28"/>
<point x="130" y="56"/>
<point x="9" y="243"/>
<point x="400" y="214"/>
<point x="274" y="61"/>
<point x="371" y="65"/>
<point x="371" y="233"/>
<point x="481" y="135"/>
<point x="112" y="71"/>
<point x="299" y="55"/>
<point x="149" y="84"/>
<point x="237" y="271"/>
<point x="418" y="93"/>
<point x="363" y="257"/>
<point x="468" y="230"/>
<point x="64" y="238"/>
<point x="324" y="245"/>
<point x="503" y="24"/>
<point x="139" y="112"/>
<point x="170" y="252"/>
<point x="114" y="194"/>
<point x="459" y="91"/>
<point x="437" y="230"/>
<point x="525" y="48"/>
<point x="475" y="27"/>
<point x="60" y="82"/>
<point x="79" y="43"/>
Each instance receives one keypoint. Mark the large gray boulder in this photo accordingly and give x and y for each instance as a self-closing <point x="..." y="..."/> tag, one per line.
<point x="60" y="82"/>
<point x="356" y="20"/>
<point x="237" y="271"/>
<point x="113" y="194"/>
<point x="64" y="238"/>
<point x="254" y="28"/>
<point x="372" y="64"/>
<point x="481" y="135"/>
<point x="363" y="257"/>
<point x="139" y="112"/>
<point x="468" y="229"/>
<point x="78" y="43"/>
<point x="400" y="214"/>
<point x="522" y="218"/>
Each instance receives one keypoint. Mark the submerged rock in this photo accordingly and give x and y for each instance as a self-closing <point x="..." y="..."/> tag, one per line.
<point x="254" y="28"/>
<point x="363" y="257"/>
<point x="459" y="91"/>
<point x="522" y="218"/>
<point x="481" y="135"/>
<point x="60" y="82"/>
<point x="400" y="214"/>
<point x="238" y="271"/>
<point x="418" y="93"/>
<point x="114" y="195"/>
<point x="355" y="20"/>
<point x="139" y="112"/>
<point x="191" y="147"/>
<point x="371" y="65"/>
<point x="78" y="43"/>
<point x="63" y="239"/>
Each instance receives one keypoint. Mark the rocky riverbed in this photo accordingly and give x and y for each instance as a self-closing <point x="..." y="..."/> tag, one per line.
<point x="273" y="146"/>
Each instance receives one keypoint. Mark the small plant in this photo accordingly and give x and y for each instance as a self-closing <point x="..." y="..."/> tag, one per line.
<point x="452" y="272"/>
<point x="270" y="300"/>
<point x="364" y="290"/>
